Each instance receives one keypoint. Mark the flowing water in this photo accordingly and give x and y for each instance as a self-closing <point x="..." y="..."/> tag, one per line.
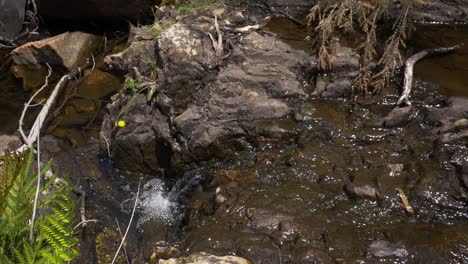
<point x="283" y="202"/>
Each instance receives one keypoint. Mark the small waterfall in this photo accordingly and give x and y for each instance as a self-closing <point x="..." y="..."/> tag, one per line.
<point x="157" y="203"/>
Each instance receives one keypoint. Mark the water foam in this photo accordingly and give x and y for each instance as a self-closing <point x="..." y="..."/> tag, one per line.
<point x="155" y="202"/>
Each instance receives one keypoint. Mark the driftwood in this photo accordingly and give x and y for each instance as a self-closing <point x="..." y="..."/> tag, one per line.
<point x="260" y="25"/>
<point x="409" y="69"/>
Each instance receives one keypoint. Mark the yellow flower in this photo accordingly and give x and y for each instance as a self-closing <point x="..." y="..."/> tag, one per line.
<point x="121" y="123"/>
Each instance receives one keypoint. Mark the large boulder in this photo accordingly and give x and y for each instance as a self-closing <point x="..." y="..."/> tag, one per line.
<point x="205" y="110"/>
<point x="11" y="18"/>
<point x="69" y="50"/>
<point x="97" y="9"/>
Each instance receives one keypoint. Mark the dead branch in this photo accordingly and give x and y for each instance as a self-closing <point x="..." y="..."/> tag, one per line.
<point x="40" y="119"/>
<point x="260" y="25"/>
<point x="409" y="68"/>
<point x="83" y="206"/>
<point x="28" y="104"/>
<point x="217" y="45"/>
<point x="84" y="222"/>
<point x="38" y="188"/>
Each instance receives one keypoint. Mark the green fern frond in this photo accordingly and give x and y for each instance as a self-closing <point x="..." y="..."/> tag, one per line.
<point x="54" y="242"/>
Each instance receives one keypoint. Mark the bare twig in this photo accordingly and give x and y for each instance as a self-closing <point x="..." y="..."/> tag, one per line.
<point x="94" y="63"/>
<point x="38" y="187"/>
<point x="28" y="104"/>
<point x="121" y="236"/>
<point x="40" y="119"/>
<point x="83" y="206"/>
<point x="108" y="146"/>
<point x="409" y="68"/>
<point x="85" y="222"/>
<point x="45" y="110"/>
<point x="128" y="226"/>
<point x="217" y="45"/>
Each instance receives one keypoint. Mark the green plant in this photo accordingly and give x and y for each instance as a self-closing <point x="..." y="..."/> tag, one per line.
<point x="53" y="239"/>
<point x="362" y="19"/>
<point x="135" y="86"/>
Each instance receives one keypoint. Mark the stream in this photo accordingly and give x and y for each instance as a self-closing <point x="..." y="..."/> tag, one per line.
<point x="289" y="200"/>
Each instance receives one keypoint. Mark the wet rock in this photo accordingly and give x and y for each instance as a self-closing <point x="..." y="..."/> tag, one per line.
<point x="386" y="249"/>
<point x="203" y="258"/>
<point x="456" y="108"/>
<point x="97" y="9"/>
<point x="364" y="191"/>
<point x="344" y="67"/>
<point x="12" y="18"/>
<point x="399" y="116"/>
<point x="70" y="50"/>
<point x="450" y="121"/>
<point x="265" y="221"/>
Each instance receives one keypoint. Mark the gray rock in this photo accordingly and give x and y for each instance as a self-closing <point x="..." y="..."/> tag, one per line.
<point x="140" y="53"/>
<point x="450" y="122"/>
<point x="205" y="110"/>
<point x="361" y="191"/>
<point x="344" y="67"/>
<point x="399" y="116"/>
